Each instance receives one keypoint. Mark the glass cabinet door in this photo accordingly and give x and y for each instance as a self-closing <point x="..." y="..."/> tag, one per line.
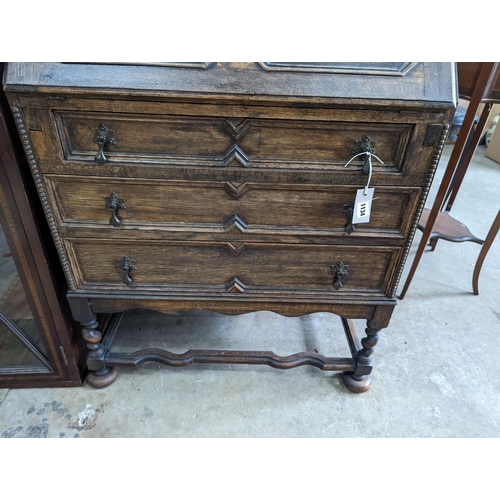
<point x="21" y="348"/>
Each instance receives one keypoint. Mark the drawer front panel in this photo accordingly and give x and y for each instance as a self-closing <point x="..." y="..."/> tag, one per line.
<point x="244" y="268"/>
<point x="224" y="206"/>
<point x="220" y="141"/>
<point x="322" y="144"/>
<point x="140" y="138"/>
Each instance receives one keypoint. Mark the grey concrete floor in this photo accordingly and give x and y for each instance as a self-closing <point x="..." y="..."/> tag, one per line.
<point x="436" y="367"/>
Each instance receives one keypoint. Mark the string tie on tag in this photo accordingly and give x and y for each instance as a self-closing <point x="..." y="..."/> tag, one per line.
<point x="370" y="167"/>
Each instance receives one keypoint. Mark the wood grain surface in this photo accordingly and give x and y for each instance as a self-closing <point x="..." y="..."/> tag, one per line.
<point x="263" y="208"/>
<point x="289" y="268"/>
<point x="233" y="180"/>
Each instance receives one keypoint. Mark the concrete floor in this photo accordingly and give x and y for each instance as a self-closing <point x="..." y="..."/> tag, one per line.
<point x="436" y="367"/>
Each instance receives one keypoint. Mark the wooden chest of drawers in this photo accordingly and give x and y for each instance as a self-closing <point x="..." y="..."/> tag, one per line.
<point x="230" y="187"/>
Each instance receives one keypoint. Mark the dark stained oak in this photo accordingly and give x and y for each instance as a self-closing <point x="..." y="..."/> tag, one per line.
<point x="233" y="357"/>
<point x="242" y="82"/>
<point x="242" y="141"/>
<point x="266" y="208"/>
<point x="225" y="186"/>
<point x="99" y="381"/>
<point x="205" y="266"/>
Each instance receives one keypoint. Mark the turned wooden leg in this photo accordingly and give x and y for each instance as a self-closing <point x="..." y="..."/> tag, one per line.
<point x="100" y="375"/>
<point x="360" y="379"/>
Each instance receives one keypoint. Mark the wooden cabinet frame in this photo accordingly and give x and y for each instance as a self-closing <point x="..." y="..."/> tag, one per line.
<point x="36" y="261"/>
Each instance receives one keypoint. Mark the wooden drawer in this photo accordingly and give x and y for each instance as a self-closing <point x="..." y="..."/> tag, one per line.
<point x="222" y="141"/>
<point x="227" y="268"/>
<point x="222" y="207"/>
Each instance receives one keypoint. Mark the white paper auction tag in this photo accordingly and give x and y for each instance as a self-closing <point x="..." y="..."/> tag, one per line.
<point x="363" y="206"/>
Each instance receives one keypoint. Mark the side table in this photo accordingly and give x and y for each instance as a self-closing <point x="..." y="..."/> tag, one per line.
<point x="479" y="82"/>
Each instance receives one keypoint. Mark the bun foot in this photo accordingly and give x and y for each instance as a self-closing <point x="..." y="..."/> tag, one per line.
<point x="101" y="381"/>
<point x="355" y="385"/>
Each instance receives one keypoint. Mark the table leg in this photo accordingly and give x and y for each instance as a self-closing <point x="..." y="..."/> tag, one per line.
<point x="484" y="250"/>
<point x="360" y="380"/>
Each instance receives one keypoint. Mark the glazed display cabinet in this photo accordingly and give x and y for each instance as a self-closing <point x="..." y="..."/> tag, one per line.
<point x="38" y="341"/>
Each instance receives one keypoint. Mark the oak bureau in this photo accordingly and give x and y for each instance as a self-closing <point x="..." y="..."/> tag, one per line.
<point x="233" y="187"/>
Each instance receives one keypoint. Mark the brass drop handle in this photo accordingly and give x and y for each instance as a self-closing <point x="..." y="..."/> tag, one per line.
<point x="114" y="203"/>
<point x="126" y="265"/>
<point x="103" y="137"/>
<point x="339" y="270"/>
